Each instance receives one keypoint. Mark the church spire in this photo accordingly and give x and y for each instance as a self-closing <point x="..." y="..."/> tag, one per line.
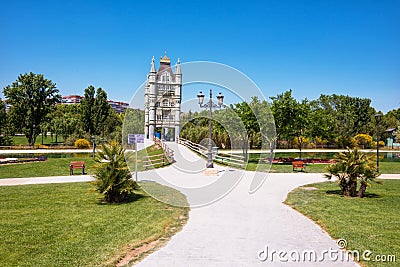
<point x="153" y="67"/>
<point x="178" y="67"/>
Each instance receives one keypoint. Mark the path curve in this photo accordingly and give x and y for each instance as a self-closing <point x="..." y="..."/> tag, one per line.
<point x="236" y="229"/>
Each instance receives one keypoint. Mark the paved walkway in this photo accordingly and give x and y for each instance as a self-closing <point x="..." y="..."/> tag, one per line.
<point x="46" y="180"/>
<point x="235" y="230"/>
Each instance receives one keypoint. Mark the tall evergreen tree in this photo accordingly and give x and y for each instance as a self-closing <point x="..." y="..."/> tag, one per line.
<point x="87" y="109"/>
<point x="101" y="111"/>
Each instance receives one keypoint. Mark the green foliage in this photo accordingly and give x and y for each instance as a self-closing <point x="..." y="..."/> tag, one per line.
<point x="113" y="178"/>
<point x="87" y="110"/>
<point x="82" y="143"/>
<point x="32" y="97"/>
<point x="351" y="167"/>
<point x="346" y="115"/>
<point x="5" y="140"/>
<point x="101" y="111"/>
<point x="2" y="116"/>
<point x="396" y="134"/>
<point x="97" y="116"/>
<point x="133" y="123"/>
<point x="290" y="115"/>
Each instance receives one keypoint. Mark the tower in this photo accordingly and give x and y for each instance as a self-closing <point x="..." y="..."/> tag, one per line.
<point x="162" y="98"/>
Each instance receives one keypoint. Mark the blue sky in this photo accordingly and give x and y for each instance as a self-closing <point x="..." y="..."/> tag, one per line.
<point x="312" y="47"/>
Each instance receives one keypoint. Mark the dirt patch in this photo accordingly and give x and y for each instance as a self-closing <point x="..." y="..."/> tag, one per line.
<point x="137" y="252"/>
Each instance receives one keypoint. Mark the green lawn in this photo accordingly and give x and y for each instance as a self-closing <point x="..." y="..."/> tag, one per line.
<point x="21" y="140"/>
<point x="66" y="225"/>
<point x="371" y="223"/>
<point x="384" y="167"/>
<point x="60" y="166"/>
<point x="50" y="167"/>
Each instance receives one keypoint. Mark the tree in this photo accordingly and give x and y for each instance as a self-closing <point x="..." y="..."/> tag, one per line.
<point x="31" y="97"/>
<point x="101" y="111"/>
<point x="291" y="117"/>
<point x="350" y="167"/>
<point x="4" y="139"/>
<point x="2" y="116"/>
<point x="347" y="116"/>
<point x="396" y="134"/>
<point x="113" y="178"/>
<point x="95" y="111"/>
<point x="87" y="108"/>
<point x="133" y="123"/>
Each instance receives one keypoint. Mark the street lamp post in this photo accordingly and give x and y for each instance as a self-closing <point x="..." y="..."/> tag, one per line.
<point x="377" y="120"/>
<point x="210" y="105"/>
<point x="94" y="145"/>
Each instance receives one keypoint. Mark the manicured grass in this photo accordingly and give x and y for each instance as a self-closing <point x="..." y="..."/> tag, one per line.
<point x="371" y="223"/>
<point x="384" y="167"/>
<point x="21" y="140"/>
<point x="60" y="166"/>
<point x="50" y="167"/>
<point x="66" y="225"/>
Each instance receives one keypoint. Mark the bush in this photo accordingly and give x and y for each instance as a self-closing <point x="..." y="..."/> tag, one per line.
<point x="6" y="141"/>
<point x="113" y="178"/>
<point x="363" y="140"/>
<point x="82" y="143"/>
<point x="352" y="167"/>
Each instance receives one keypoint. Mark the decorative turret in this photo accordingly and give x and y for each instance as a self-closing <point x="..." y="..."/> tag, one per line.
<point x="178" y="67"/>
<point x="153" y="67"/>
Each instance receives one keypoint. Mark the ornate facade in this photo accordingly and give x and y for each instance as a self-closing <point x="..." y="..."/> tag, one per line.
<point x="162" y="100"/>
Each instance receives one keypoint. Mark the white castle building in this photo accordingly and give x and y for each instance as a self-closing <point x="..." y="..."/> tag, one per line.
<point x="162" y="98"/>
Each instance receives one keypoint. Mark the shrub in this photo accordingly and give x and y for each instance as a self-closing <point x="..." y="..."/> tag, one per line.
<point x="363" y="140"/>
<point x="351" y="167"/>
<point x="82" y="143"/>
<point x="113" y="178"/>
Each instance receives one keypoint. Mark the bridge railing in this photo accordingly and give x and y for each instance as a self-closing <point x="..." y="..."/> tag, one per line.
<point x="233" y="160"/>
<point x="169" y="153"/>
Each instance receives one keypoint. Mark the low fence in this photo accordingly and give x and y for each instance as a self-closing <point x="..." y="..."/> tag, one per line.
<point x="159" y="160"/>
<point x="223" y="158"/>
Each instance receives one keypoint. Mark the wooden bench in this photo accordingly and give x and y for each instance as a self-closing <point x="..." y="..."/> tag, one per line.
<point x="76" y="165"/>
<point x="299" y="166"/>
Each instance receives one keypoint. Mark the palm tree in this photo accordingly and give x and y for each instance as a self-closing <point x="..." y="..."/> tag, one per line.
<point x="352" y="167"/>
<point x="113" y="178"/>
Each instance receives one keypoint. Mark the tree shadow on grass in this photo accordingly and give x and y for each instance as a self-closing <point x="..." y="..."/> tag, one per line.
<point x="340" y="193"/>
<point x="129" y="199"/>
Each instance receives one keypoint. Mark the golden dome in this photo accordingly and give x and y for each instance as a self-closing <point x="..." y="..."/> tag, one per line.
<point x="165" y="59"/>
